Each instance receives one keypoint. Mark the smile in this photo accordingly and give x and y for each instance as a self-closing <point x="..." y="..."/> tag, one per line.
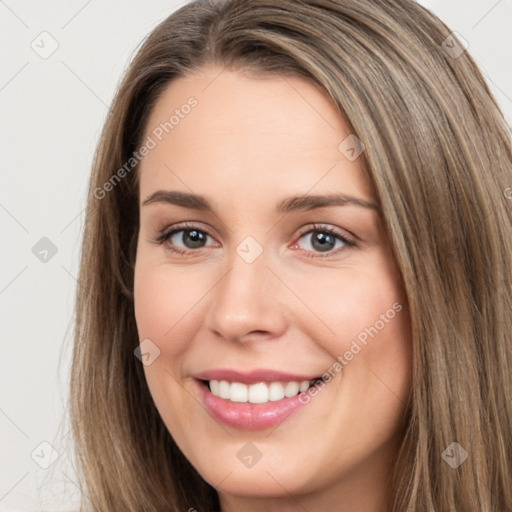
<point x="259" y="393"/>
<point x="256" y="400"/>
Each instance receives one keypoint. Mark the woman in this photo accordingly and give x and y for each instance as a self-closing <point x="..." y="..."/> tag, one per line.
<point x="295" y="282"/>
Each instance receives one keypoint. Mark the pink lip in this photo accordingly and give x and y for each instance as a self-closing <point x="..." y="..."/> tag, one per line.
<point x="246" y="415"/>
<point x="252" y="377"/>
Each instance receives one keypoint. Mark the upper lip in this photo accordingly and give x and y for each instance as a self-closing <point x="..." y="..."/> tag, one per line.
<point x="252" y="377"/>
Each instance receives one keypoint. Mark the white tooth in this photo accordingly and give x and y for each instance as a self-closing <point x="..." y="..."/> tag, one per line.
<point x="304" y="386"/>
<point x="291" y="389"/>
<point x="224" y="389"/>
<point x="214" y="387"/>
<point x="258" y="393"/>
<point x="275" y="391"/>
<point x="238" y="392"/>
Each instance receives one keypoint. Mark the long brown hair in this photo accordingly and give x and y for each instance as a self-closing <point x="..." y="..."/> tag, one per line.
<point x="439" y="155"/>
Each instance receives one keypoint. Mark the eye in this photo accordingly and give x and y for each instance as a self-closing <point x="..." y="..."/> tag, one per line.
<point x="321" y="241"/>
<point x="324" y="240"/>
<point x="183" y="239"/>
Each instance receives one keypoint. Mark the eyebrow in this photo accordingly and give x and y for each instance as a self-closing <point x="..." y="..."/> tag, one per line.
<point x="291" y="204"/>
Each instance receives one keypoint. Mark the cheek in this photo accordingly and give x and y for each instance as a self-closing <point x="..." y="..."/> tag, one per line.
<point x="362" y="321"/>
<point x="166" y="312"/>
<point x="165" y="304"/>
<point x="353" y="305"/>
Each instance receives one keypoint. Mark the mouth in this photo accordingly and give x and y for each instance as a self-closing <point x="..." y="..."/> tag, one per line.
<point x="255" y="400"/>
<point x="258" y="393"/>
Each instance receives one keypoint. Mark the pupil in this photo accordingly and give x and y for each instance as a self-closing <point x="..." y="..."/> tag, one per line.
<point x="195" y="238"/>
<point x="323" y="241"/>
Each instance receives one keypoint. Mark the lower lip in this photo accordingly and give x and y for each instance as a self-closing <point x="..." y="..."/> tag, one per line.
<point x="250" y="416"/>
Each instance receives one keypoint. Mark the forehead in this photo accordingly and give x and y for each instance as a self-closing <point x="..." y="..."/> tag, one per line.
<point x="240" y="132"/>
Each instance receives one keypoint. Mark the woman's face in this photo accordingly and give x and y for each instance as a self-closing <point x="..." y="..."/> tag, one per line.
<point x="243" y="289"/>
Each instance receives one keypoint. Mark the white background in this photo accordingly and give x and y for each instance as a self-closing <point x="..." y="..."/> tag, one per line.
<point x="52" y="111"/>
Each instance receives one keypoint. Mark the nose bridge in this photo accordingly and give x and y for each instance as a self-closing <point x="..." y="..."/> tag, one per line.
<point x="247" y="298"/>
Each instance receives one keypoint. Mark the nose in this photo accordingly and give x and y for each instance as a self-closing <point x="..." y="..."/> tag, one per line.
<point x="246" y="303"/>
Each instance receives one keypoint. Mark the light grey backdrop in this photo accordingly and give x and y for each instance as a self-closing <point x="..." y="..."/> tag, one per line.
<point x="60" y="64"/>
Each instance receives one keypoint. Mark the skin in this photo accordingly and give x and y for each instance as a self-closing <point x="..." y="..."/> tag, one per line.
<point x="250" y="142"/>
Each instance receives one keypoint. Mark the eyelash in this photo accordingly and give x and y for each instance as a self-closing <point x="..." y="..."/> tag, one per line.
<point x="167" y="233"/>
